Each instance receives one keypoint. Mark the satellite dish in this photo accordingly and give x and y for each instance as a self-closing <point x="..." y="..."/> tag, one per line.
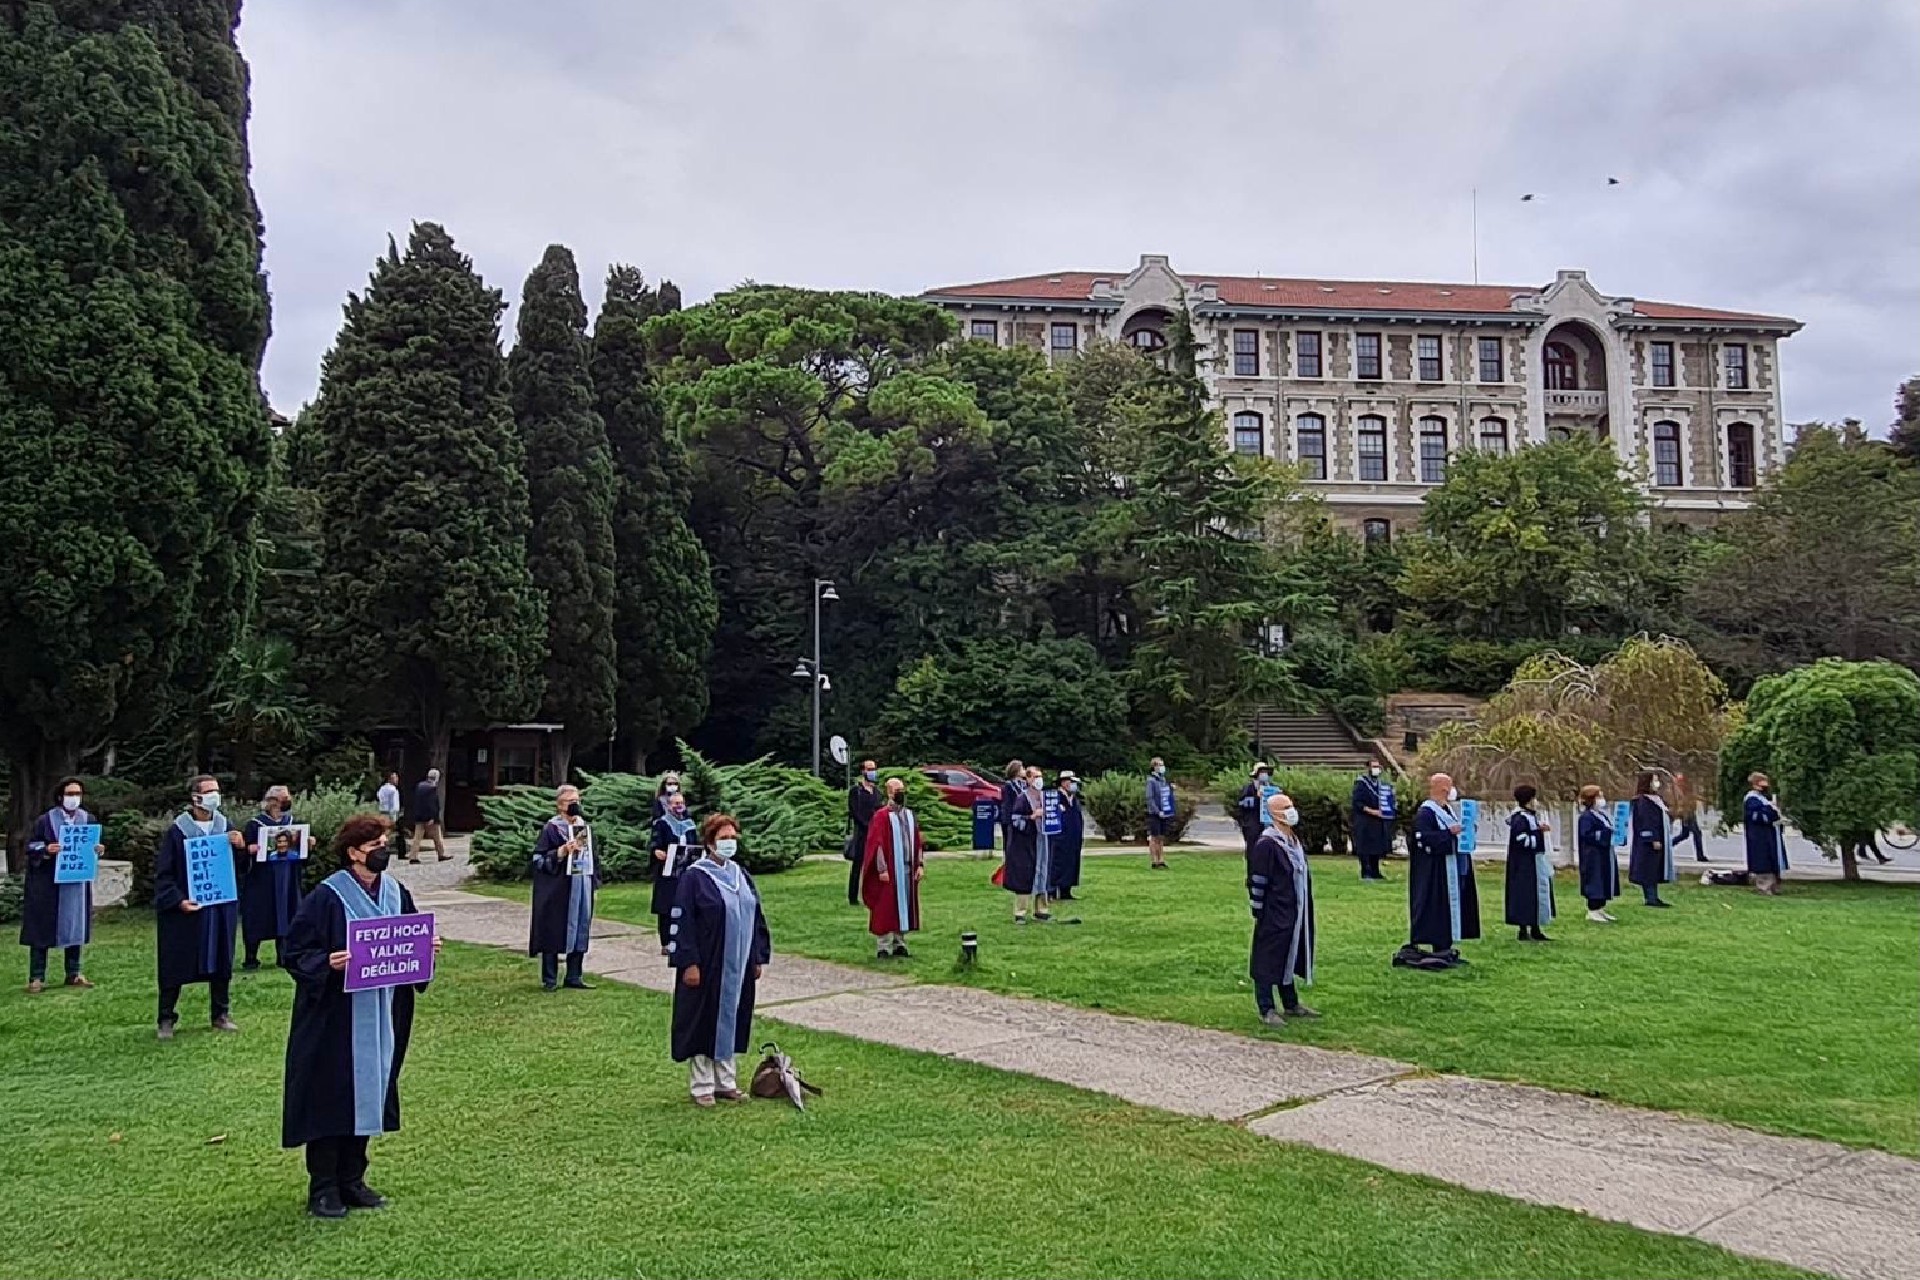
<point x="837" y="748"/>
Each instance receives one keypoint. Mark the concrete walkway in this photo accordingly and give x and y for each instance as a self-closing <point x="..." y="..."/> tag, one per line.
<point x="1811" y="1204"/>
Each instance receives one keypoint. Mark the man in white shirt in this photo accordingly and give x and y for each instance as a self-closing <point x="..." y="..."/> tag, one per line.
<point x="389" y="799"/>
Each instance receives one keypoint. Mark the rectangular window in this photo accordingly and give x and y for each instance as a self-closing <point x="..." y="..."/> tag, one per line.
<point x="1735" y="355"/>
<point x="984" y="330"/>
<point x="1378" y="533"/>
<point x="1373" y="448"/>
<point x="1429" y="358"/>
<point x="1246" y="353"/>
<point x="1366" y="356"/>
<point x="1433" y="450"/>
<point x="1313" y="446"/>
<point x="1306" y="355"/>
<point x="1662" y="358"/>
<point x="516" y="766"/>
<point x="1064" y="339"/>
<point x="1491" y="364"/>
<point x="1740" y="468"/>
<point x="1248" y="436"/>
<point x="1666" y="454"/>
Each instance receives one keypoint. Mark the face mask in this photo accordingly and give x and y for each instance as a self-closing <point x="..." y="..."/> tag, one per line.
<point x="897" y="798"/>
<point x="1653" y="788"/>
<point x="1159" y="771"/>
<point x="69" y="803"/>
<point x="871" y="775"/>
<point x="1290" y="815"/>
<point x="573" y="809"/>
<point x="210" y="801"/>
<point x="725" y="847"/>
<point x="377" y="859"/>
<point x="1263" y="778"/>
<point x="1453" y="794"/>
<point x="1074" y="787"/>
<point x="673" y="788"/>
<point x="1373" y="770"/>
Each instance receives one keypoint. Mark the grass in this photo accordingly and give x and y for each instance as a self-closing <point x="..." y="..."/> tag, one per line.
<point x="1797" y="1014"/>
<point x="551" y="1136"/>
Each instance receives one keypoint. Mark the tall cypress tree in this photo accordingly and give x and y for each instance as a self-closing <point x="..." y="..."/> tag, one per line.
<point x="570" y="482"/>
<point x="135" y="435"/>
<point x="422" y="488"/>
<point x="665" y="609"/>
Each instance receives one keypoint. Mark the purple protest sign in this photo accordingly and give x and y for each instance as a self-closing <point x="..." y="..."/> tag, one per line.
<point x="388" y="951"/>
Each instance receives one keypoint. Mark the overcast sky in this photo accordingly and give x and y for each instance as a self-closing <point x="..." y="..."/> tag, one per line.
<point x="1768" y="152"/>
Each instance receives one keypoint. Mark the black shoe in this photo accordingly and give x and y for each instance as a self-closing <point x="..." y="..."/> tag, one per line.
<point x="1700" y="857"/>
<point x="579" y="986"/>
<point x="547" y="987"/>
<point x="358" y="1195"/>
<point x="1540" y="937"/>
<point x="1659" y="902"/>
<point x="326" y="1205"/>
<point x="900" y="952"/>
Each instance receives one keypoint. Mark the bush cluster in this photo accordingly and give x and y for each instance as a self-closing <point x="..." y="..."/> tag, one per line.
<point x="1117" y="803"/>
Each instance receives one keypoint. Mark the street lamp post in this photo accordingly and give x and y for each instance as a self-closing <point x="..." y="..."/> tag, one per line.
<point x="822" y="591"/>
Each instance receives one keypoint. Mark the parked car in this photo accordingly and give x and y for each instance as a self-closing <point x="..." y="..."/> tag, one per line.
<point x="960" y="786"/>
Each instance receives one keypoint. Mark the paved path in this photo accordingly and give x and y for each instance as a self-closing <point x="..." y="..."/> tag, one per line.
<point x="1811" y="1204"/>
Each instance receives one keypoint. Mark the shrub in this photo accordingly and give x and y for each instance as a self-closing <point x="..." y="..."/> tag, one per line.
<point x="1321" y="795"/>
<point x="326" y="812"/>
<point x="134" y="837"/>
<point x="1117" y="803"/>
<point x="13" y="892"/>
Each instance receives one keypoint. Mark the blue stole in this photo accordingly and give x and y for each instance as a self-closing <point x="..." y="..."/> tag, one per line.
<point x="213" y="920"/>
<point x="1666" y="832"/>
<point x="70" y="900"/>
<point x="1452" y="870"/>
<point x="904" y="828"/>
<point x="1779" y="836"/>
<point x="372" y="1010"/>
<point x="681" y="828"/>
<point x="1542" y="869"/>
<point x="579" y="888"/>
<point x="1042" y="845"/>
<point x="741" y="904"/>
<point x="1297" y="952"/>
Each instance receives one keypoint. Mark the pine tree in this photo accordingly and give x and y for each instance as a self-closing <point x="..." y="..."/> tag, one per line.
<point x="570" y="485"/>
<point x="665" y="609"/>
<point x="422" y="486"/>
<point x="134" y="313"/>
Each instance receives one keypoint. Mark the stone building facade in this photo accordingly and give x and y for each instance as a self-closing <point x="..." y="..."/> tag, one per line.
<point x="1370" y="387"/>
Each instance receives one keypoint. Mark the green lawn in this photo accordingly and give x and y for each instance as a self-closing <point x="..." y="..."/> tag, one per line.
<point x="1798" y="1014"/>
<point x="551" y="1136"/>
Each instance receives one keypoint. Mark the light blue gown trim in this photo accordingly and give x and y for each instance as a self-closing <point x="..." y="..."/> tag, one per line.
<point x="372" y="1010"/>
<point x="740" y="903"/>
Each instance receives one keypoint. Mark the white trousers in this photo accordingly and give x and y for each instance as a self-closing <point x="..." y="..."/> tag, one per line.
<point x="709" y="1074"/>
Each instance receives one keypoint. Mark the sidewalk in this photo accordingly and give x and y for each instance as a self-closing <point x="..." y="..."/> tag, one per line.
<point x="1810" y="1204"/>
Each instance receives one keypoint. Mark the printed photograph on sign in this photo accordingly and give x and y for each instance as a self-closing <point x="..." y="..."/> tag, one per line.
<point x="285" y="844"/>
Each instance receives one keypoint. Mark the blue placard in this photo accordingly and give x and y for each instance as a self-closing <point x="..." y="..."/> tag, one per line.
<point x="79" y="858"/>
<point x="1622" y="823"/>
<point x="986" y="818"/>
<point x="1387" y="811"/>
<point x="1469" y="825"/>
<point x="210" y="878"/>
<point x="1050" y="822"/>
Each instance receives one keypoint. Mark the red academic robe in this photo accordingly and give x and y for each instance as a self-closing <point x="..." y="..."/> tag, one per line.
<point x="883" y="897"/>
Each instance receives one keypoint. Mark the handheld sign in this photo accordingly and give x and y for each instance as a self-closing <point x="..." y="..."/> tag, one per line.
<point x="389" y="951"/>
<point x="1622" y="823"/>
<point x="284" y="844"/>
<point x="986" y="817"/>
<point x="1050" y="821"/>
<point x="1469" y="825"/>
<point x="78" y="860"/>
<point x="210" y="878"/>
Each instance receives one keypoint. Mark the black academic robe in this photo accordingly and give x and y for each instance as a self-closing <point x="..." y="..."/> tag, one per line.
<point x="1007" y="793"/>
<point x="317" y="1100"/>
<point x="660" y="900"/>
<point x="1023" y="843"/>
<point x="1066" y="846"/>
<point x="269" y="891"/>
<point x="1599" y="868"/>
<point x="1647" y="854"/>
<point x="1430" y="866"/>
<point x="40" y="904"/>
<point x="191" y="946"/>
<point x="1282" y="922"/>
<point x="1372" y="837"/>
<point x="700" y="938"/>
<point x="1526" y="846"/>
<point x="553" y="892"/>
<point x="1246" y="813"/>
<point x="1758" y="817"/>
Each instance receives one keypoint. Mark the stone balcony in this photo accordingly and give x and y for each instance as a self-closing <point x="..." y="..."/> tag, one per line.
<point x="1576" y="401"/>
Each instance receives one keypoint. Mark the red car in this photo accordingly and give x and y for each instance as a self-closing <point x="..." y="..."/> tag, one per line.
<point x="960" y="786"/>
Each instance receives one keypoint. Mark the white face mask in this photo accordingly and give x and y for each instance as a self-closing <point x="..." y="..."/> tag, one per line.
<point x="725" y="847"/>
<point x="1290" y="815"/>
<point x="1373" y="770"/>
<point x="69" y="803"/>
<point x="1653" y="788"/>
<point x="673" y="788"/>
<point x="1453" y="794"/>
<point x="210" y="801"/>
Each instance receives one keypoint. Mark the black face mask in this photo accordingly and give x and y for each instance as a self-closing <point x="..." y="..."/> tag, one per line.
<point x="378" y="859"/>
<point x="573" y="810"/>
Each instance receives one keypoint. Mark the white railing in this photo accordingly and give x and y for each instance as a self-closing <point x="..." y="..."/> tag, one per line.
<point x="1577" y="401"/>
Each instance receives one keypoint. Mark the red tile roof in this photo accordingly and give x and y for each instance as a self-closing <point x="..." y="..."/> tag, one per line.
<point x="1322" y="295"/>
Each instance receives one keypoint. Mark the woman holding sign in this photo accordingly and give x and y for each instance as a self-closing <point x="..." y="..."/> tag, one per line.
<point x="1599" y="868"/>
<point x="564" y="879"/>
<point x="717" y="940"/>
<point x="270" y="888"/>
<point x="345" y="1047"/>
<point x="674" y="846"/>
<point x="58" y="910"/>
<point x="194" y="892"/>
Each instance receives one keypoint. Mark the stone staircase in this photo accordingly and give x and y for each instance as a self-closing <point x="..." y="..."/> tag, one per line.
<point x="1315" y="738"/>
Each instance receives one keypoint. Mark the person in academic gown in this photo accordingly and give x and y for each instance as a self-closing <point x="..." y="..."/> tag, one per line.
<point x="1599" y="867"/>
<point x="893" y="857"/>
<point x="1250" y="810"/>
<point x="1529" y="867"/>
<point x="674" y="844"/>
<point x="193" y="940"/>
<point x="1280" y="895"/>
<point x="1766" y="838"/>
<point x="56" y="916"/>
<point x="1026" y="844"/>
<point x="1434" y="906"/>
<point x="1650" y="853"/>
<point x="344" y="1049"/>
<point x="1016" y="779"/>
<point x="669" y="786"/>
<point x="565" y="875"/>
<point x="1371" y="812"/>
<point x="1068" y="845"/>
<point x="863" y="801"/>
<point x="269" y="891"/>
<point x="717" y="943"/>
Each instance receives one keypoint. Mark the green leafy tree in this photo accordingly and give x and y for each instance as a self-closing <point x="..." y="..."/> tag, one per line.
<point x="1841" y="742"/>
<point x="134" y="313"/>
<point x="1826" y="563"/>
<point x="664" y="604"/>
<point x="1905" y="434"/>
<point x="421" y="475"/>
<point x="570" y="484"/>
<point x="256" y="704"/>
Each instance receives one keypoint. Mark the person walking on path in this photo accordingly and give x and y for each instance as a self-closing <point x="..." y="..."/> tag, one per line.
<point x="1765" y="830"/>
<point x="1280" y="895"/>
<point x="565" y="875"/>
<point x="863" y="801"/>
<point x="193" y="940"/>
<point x="1529" y="867"/>
<point x="1371" y="809"/>
<point x="387" y="799"/>
<point x="1161" y="808"/>
<point x="1435" y="911"/>
<point x="1599" y="866"/>
<point x="1067" y="846"/>
<point x="893" y="856"/>
<point x="1686" y="813"/>
<point x="270" y="888"/>
<point x="426" y="818"/>
<point x="718" y="942"/>
<point x="1650" y="857"/>
<point x="674" y="846"/>
<point x="54" y="915"/>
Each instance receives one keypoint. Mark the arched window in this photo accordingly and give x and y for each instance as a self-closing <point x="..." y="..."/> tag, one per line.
<point x="1493" y="435"/>
<point x="1740" y="460"/>
<point x="1562" y="368"/>
<point x="1666" y="454"/>
<point x="1146" y="340"/>
<point x="1433" y="450"/>
<point x="1376" y="533"/>
<point x="1312" y="451"/>
<point x="1249" y="434"/>
<point x="1373" y="447"/>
